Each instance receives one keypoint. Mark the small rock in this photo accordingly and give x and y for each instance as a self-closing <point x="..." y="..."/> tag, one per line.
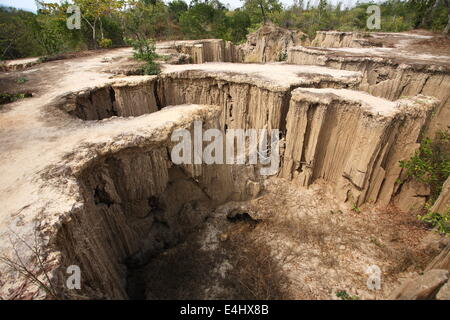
<point x="223" y="237"/>
<point x="412" y="196"/>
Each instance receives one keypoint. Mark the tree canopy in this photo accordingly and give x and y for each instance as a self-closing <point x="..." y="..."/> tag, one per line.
<point x="109" y="22"/>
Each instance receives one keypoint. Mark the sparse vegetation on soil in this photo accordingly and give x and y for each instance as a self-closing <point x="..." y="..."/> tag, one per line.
<point x="431" y="163"/>
<point x="145" y="50"/>
<point x="11" y="97"/>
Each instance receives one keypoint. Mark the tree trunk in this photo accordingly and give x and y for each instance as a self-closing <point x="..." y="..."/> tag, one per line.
<point x="93" y="27"/>
<point x="94" y="34"/>
<point x="429" y="12"/>
<point x="263" y="12"/>
<point x="7" y="48"/>
<point x="101" y="28"/>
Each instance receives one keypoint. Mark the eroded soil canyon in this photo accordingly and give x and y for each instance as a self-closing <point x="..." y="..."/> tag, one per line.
<point x="88" y="178"/>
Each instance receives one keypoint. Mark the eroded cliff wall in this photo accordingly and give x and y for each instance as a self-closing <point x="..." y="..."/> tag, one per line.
<point x="125" y="200"/>
<point x="209" y="50"/>
<point x="321" y="142"/>
<point x="123" y="99"/>
<point x="271" y="43"/>
<point x="338" y="39"/>
<point x="389" y="78"/>
<point x="137" y="203"/>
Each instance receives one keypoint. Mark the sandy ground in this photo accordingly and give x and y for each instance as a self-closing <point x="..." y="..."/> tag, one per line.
<point x="29" y="139"/>
<point x="21" y="61"/>
<point x="419" y="46"/>
<point x="371" y="103"/>
<point x="277" y="73"/>
<point x="295" y="243"/>
<point x="415" y="42"/>
<point x="393" y="52"/>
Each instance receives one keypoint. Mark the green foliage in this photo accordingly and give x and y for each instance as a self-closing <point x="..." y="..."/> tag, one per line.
<point x="439" y="221"/>
<point x="146" y="20"/>
<point x="204" y="20"/>
<point x="21" y="80"/>
<point x="395" y="24"/>
<point x="431" y="163"/>
<point x="177" y="8"/>
<point x="145" y="50"/>
<point x="345" y="296"/>
<point x="17" y="37"/>
<point x="151" y="68"/>
<point x="260" y="10"/>
<point x="51" y="32"/>
<point x="105" y="43"/>
<point x="24" y="34"/>
<point x="11" y="97"/>
<point x="238" y="25"/>
<point x="112" y="29"/>
<point x="47" y="58"/>
<point x="282" y="56"/>
<point x="355" y="208"/>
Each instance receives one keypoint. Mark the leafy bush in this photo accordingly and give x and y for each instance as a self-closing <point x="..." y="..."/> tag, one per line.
<point x="440" y="221"/>
<point x="145" y="50"/>
<point x="105" y="43"/>
<point x="395" y="24"/>
<point x="21" y="80"/>
<point x="431" y="163"/>
<point x="11" y="97"/>
<point x="151" y="69"/>
<point x="282" y="56"/>
<point x="355" y="208"/>
<point x="345" y="296"/>
<point x="42" y="59"/>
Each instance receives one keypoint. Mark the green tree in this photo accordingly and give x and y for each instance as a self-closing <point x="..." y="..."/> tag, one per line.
<point x="431" y="163"/>
<point x="239" y="22"/>
<point x="204" y="20"/>
<point x="17" y="39"/>
<point x="259" y="10"/>
<point x="177" y="8"/>
<point x="92" y="12"/>
<point x="145" y="19"/>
